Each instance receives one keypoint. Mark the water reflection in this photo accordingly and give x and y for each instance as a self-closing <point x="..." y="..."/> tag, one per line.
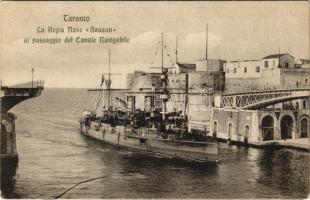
<point x="284" y="169"/>
<point x="8" y="172"/>
<point x="144" y="176"/>
<point x="55" y="156"/>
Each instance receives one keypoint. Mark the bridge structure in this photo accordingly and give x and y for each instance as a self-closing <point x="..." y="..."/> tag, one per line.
<point x="12" y="95"/>
<point x="255" y="100"/>
<point x="9" y="97"/>
<point x="247" y="116"/>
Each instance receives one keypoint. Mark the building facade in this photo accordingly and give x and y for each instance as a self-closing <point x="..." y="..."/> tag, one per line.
<point x="270" y="72"/>
<point x="255" y="126"/>
<point x="193" y="88"/>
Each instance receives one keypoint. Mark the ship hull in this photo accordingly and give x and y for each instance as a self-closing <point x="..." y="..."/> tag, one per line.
<point x="203" y="152"/>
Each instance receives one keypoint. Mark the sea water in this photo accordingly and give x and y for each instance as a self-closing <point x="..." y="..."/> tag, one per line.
<point x="54" y="156"/>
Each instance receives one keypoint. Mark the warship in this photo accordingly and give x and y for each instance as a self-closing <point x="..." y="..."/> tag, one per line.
<point x="154" y="131"/>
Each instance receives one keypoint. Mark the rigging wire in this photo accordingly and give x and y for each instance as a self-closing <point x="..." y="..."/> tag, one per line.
<point x="156" y="52"/>
<point x="79" y="183"/>
<point x="168" y="54"/>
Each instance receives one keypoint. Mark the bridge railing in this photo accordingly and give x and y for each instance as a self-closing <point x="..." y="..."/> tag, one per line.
<point x="242" y="100"/>
<point x="295" y="71"/>
<point x="31" y="84"/>
<point x="249" y="90"/>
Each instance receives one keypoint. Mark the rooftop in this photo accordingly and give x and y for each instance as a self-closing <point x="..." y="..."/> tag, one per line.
<point x="234" y="61"/>
<point x="275" y="56"/>
<point x="187" y="65"/>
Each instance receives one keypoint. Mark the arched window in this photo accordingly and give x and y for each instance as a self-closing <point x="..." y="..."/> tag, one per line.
<point x="229" y="130"/>
<point x="267" y="128"/>
<point x="286" y="127"/>
<point x="304" y="128"/>
<point x="246" y="133"/>
<point x="215" y="129"/>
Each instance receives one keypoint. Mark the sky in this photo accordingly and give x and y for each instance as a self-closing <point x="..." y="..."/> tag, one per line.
<point x="236" y="30"/>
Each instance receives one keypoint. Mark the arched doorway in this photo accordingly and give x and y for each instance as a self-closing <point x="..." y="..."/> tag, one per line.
<point x="246" y="133"/>
<point x="304" y="128"/>
<point x="268" y="128"/>
<point x="215" y="129"/>
<point x="229" y="130"/>
<point x="286" y="127"/>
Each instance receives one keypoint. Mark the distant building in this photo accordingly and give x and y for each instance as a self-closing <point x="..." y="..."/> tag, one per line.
<point x="210" y="65"/>
<point x="244" y="69"/>
<point x="302" y="63"/>
<point x="199" y="80"/>
<point x="286" y="61"/>
<point x="254" y="68"/>
<point x="270" y="72"/>
<point x="179" y="68"/>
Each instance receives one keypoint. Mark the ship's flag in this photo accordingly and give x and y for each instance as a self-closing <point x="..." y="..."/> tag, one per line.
<point x="102" y="80"/>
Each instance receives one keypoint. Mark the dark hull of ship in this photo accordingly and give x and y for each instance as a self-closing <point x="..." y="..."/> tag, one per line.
<point x="142" y="141"/>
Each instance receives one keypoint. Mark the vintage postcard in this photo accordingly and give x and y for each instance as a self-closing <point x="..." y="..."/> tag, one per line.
<point x="155" y="99"/>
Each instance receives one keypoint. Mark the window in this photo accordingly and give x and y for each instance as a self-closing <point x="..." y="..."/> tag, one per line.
<point x="304" y="104"/>
<point x="257" y="69"/>
<point x="306" y="80"/>
<point x="304" y="128"/>
<point x="131" y="102"/>
<point x="235" y="70"/>
<point x="148" y="103"/>
<point x="222" y="87"/>
<point x="246" y="133"/>
<point x="266" y="63"/>
<point x="245" y="69"/>
<point x="273" y="63"/>
<point x="227" y="70"/>
<point x="286" y="65"/>
<point x="215" y="129"/>
<point x="229" y="130"/>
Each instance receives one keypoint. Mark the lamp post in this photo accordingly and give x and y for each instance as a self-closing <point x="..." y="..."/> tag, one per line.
<point x="210" y="110"/>
<point x="32" y="70"/>
<point x="209" y="95"/>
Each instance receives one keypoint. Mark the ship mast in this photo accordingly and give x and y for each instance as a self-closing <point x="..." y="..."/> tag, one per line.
<point x="164" y="94"/>
<point x="176" y="49"/>
<point x="186" y="95"/>
<point x="108" y="82"/>
<point x="207" y="42"/>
